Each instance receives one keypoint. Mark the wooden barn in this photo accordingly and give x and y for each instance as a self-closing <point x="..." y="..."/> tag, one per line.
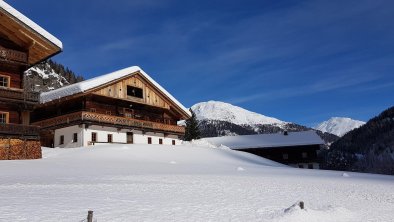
<point x="22" y="44"/>
<point x="297" y="149"/>
<point x="126" y="106"/>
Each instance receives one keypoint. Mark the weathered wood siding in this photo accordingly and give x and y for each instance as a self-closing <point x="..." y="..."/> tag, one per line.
<point x="13" y="115"/>
<point x="150" y="95"/>
<point x="14" y="74"/>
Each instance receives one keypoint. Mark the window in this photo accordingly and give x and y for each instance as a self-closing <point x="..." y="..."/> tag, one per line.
<point x="310" y="166"/>
<point x="173" y="142"/>
<point x="5" y="81"/>
<point x="75" y="137"/>
<point x="285" y="156"/>
<point x="108" y="112"/>
<point x="61" y="140"/>
<point x="109" y="138"/>
<point x="94" y="137"/>
<point x="135" y="92"/>
<point x="160" y="141"/>
<point x="3" y="118"/>
<point x="304" y="155"/>
<point x="93" y="110"/>
<point x="300" y="166"/>
<point x="149" y="140"/>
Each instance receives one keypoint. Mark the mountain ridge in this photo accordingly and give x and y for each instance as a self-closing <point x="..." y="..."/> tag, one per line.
<point x="223" y="119"/>
<point x="339" y="125"/>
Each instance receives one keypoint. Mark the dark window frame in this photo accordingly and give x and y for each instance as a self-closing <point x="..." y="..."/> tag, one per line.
<point x="5" y="81"/>
<point x="4" y="119"/>
<point x="61" y="142"/>
<point x="109" y="138"/>
<point x="94" y="137"/>
<point x="75" y="137"/>
<point x="149" y="140"/>
<point x="135" y="92"/>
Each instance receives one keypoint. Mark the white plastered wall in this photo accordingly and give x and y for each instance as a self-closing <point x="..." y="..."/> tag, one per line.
<point x="118" y="136"/>
<point x="68" y="133"/>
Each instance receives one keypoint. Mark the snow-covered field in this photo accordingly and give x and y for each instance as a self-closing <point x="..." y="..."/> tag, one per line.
<point x="183" y="183"/>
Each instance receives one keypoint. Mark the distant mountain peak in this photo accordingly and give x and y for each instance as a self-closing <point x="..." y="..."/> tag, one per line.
<point x="339" y="125"/>
<point x="216" y="110"/>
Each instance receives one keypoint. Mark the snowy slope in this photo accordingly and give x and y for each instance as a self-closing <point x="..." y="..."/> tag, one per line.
<point x="183" y="183"/>
<point x="339" y="125"/>
<point x="216" y="110"/>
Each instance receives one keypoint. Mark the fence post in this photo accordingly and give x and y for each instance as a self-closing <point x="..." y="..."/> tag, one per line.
<point x="301" y="205"/>
<point x="90" y="216"/>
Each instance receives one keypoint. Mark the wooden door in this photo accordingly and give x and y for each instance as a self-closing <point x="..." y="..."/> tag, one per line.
<point x="129" y="137"/>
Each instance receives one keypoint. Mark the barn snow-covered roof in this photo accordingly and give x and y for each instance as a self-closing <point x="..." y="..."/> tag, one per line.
<point x="101" y="80"/>
<point x="267" y="140"/>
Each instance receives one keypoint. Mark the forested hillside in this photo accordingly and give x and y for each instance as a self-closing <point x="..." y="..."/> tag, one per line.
<point x="369" y="148"/>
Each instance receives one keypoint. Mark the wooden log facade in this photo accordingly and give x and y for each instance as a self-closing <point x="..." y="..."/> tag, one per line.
<point x="130" y="109"/>
<point x="21" y="46"/>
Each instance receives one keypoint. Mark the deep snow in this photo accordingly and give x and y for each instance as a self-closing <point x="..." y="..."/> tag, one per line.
<point x="183" y="183"/>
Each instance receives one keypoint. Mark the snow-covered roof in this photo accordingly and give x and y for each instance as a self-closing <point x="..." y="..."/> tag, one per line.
<point x="22" y="18"/>
<point x="267" y="140"/>
<point x="101" y="80"/>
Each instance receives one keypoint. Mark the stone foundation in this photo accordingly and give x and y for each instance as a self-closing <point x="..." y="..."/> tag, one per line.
<point x="17" y="149"/>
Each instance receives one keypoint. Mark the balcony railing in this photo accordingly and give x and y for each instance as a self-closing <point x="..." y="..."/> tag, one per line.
<point x="19" y="94"/>
<point x="116" y="121"/>
<point x="18" y="129"/>
<point x="13" y="55"/>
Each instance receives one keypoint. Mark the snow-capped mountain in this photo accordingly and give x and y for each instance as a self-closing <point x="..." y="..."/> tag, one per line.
<point x="216" y="110"/>
<point x="223" y="119"/>
<point x="339" y="125"/>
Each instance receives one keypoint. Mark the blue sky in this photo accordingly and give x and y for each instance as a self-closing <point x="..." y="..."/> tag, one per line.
<point x="299" y="61"/>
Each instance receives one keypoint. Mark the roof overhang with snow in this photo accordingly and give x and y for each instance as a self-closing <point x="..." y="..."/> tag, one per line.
<point x="274" y="140"/>
<point x="29" y="36"/>
<point x="84" y="87"/>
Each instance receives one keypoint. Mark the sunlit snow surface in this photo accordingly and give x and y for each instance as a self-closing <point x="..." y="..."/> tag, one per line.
<point x="183" y="183"/>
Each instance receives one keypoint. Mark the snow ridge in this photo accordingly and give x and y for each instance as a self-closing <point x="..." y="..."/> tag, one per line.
<point x="339" y="125"/>
<point x="216" y="110"/>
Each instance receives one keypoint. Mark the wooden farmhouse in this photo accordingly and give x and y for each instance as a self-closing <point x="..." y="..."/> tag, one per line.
<point x="126" y="106"/>
<point x="297" y="149"/>
<point x="22" y="45"/>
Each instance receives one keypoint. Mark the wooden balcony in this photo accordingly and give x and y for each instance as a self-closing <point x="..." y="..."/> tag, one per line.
<point x="114" y="121"/>
<point x="19" y="130"/>
<point x="19" y="94"/>
<point x="11" y="55"/>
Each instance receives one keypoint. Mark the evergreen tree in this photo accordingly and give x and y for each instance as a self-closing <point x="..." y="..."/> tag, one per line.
<point x="192" y="131"/>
